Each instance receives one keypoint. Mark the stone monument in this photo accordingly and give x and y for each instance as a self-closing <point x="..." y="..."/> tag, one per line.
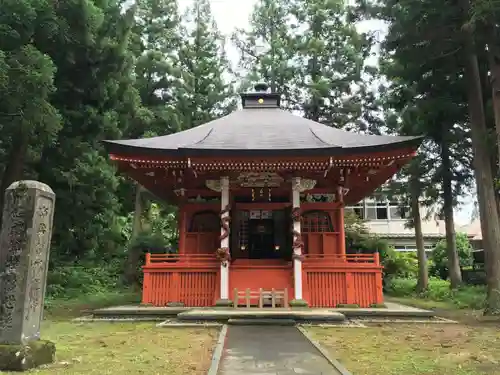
<point x="24" y="257"/>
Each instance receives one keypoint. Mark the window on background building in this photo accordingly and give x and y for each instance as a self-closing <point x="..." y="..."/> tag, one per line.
<point x="427" y="248"/>
<point x="382" y="211"/>
<point x="371" y="211"/>
<point x="357" y="209"/>
<point x="396" y="212"/>
<point x="379" y="209"/>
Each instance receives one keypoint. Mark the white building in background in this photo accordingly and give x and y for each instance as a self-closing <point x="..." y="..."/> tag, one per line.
<point x="473" y="230"/>
<point x="387" y="220"/>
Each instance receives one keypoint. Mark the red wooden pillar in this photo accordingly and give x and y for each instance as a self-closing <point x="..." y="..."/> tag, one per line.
<point x="379" y="288"/>
<point x="146" y="282"/>
<point x="350" y="291"/>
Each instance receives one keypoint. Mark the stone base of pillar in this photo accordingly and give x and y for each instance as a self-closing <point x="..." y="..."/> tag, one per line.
<point x="224" y="303"/>
<point x="298" y="303"/>
<point x="24" y="357"/>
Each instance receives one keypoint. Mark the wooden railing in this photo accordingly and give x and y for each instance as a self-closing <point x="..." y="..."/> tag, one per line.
<point x="179" y="259"/>
<point x="371" y="259"/>
<point x="276" y="298"/>
<point x="330" y="280"/>
<point x="174" y="278"/>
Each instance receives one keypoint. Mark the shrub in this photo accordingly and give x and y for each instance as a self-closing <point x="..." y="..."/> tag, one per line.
<point x="439" y="266"/>
<point x="75" y="280"/>
<point x="439" y="290"/>
<point x="151" y="242"/>
<point x="360" y="240"/>
<point x="400" y="264"/>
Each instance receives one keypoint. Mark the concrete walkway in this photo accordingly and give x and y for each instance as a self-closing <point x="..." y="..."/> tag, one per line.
<point x="271" y="350"/>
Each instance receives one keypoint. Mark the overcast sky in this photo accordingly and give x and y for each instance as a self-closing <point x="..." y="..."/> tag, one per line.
<point x="232" y="14"/>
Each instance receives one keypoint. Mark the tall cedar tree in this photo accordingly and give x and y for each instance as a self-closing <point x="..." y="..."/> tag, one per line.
<point x="206" y="90"/>
<point x="311" y="52"/>
<point x="423" y="67"/>
<point x="446" y="42"/>
<point x="96" y="99"/>
<point x="483" y="25"/>
<point x="267" y="50"/>
<point x="490" y="220"/>
<point x="28" y="120"/>
<point x="156" y="40"/>
<point x="331" y="56"/>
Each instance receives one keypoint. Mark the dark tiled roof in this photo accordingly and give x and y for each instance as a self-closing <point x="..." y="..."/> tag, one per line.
<point x="263" y="131"/>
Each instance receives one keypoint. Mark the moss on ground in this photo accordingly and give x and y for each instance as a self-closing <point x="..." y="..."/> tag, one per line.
<point x="298" y="303"/>
<point x="23" y="357"/>
<point x="347" y="306"/>
<point x="378" y="306"/>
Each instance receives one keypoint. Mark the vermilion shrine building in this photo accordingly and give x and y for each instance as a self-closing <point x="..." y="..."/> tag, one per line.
<point x="261" y="195"/>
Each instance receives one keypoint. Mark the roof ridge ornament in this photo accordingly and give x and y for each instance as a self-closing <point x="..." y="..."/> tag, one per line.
<point x="261" y="87"/>
<point x="261" y="97"/>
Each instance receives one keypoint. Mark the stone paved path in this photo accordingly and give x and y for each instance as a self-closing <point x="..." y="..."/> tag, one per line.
<point x="271" y="350"/>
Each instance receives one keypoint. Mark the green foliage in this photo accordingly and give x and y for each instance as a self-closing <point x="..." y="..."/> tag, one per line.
<point x="75" y="281"/>
<point x="439" y="266"/>
<point x="310" y="52"/>
<point x="150" y="242"/>
<point x="267" y="50"/>
<point x="298" y="303"/>
<point x="28" y="119"/>
<point x="331" y="56"/>
<point x="205" y="93"/>
<point x="471" y="297"/>
<point x="400" y="264"/>
<point x="360" y="240"/>
<point x="96" y="99"/>
<point x="423" y="62"/>
<point x="156" y="41"/>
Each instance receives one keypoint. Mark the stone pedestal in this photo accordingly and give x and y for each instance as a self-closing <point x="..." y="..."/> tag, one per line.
<point x="24" y="256"/>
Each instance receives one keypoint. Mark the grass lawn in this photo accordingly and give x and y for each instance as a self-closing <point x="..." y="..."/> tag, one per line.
<point x="410" y="349"/>
<point x="121" y="348"/>
<point x="447" y="310"/>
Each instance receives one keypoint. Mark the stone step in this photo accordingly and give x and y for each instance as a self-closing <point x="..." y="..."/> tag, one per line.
<point x="145" y="311"/>
<point x="262" y="322"/>
<point x="258" y="314"/>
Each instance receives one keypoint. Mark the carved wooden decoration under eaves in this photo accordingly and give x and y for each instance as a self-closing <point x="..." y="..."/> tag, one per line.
<point x="319" y="198"/>
<point x="306" y="184"/>
<point x="213" y="185"/>
<point x="259" y="179"/>
<point x="303" y="184"/>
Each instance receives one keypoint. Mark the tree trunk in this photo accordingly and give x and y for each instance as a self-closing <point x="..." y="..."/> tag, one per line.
<point x="451" y="241"/>
<point x="14" y="169"/>
<point x="494" y="63"/>
<point x="483" y="219"/>
<point x="134" y="252"/>
<point x="423" y="275"/>
<point x="484" y="175"/>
